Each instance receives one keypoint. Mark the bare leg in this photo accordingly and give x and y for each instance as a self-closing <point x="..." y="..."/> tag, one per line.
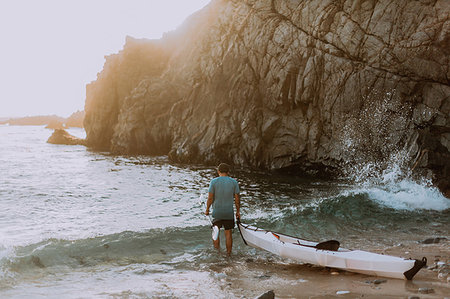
<point x="229" y="239"/>
<point x="217" y="243"/>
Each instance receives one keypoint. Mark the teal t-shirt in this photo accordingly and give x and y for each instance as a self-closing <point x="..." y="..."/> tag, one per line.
<point x="224" y="188"/>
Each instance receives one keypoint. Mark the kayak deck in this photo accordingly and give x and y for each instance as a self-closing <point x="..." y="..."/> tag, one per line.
<point x="351" y="260"/>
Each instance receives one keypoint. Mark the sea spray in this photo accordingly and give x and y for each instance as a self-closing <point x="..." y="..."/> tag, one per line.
<point x="379" y="151"/>
<point x="395" y="187"/>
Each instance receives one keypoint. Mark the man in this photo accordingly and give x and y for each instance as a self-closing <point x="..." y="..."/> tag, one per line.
<point x="223" y="195"/>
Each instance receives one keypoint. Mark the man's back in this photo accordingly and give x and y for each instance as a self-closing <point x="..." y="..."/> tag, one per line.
<point x="224" y="188"/>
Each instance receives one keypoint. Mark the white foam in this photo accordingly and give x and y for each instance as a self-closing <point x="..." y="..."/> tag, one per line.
<point x="5" y="255"/>
<point x="390" y="184"/>
<point x="406" y="195"/>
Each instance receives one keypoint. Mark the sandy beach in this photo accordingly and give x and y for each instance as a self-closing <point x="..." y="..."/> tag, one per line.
<point x="292" y="280"/>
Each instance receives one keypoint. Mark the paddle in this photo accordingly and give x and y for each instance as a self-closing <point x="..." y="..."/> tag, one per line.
<point x="331" y="245"/>
<point x="215" y="229"/>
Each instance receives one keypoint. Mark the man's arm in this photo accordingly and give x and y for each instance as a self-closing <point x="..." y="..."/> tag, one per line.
<point x="237" y="202"/>
<point x="209" y="202"/>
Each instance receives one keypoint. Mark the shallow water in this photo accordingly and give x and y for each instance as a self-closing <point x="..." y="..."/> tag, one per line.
<point x="77" y="223"/>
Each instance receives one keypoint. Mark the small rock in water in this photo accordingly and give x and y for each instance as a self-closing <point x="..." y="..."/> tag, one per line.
<point x="267" y="295"/>
<point x="378" y="281"/>
<point x="426" y="290"/>
<point x="61" y="136"/>
<point x="433" y="240"/>
<point x="342" y="292"/>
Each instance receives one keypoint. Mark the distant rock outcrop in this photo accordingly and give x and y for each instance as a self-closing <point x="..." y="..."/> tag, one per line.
<point x="75" y="120"/>
<point x="313" y="86"/>
<point x="61" y="136"/>
<point x="51" y="121"/>
<point x="40" y="120"/>
<point x="55" y="124"/>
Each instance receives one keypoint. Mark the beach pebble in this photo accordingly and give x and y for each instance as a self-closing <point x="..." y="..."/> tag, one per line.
<point x="426" y="290"/>
<point x="378" y="281"/>
<point x="267" y="295"/>
<point x="413" y="297"/>
<point x="334" y="273"/>
<point x="342" y="292"/>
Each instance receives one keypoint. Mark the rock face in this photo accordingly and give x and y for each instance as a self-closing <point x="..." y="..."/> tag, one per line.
<point x="310" y="86"/>
<point x="61" y="136"/>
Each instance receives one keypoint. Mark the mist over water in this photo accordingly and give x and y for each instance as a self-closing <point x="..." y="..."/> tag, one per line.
<point x="74" y="222"/>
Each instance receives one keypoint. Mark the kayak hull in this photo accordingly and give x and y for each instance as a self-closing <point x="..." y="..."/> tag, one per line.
<point x="350" y="260"/>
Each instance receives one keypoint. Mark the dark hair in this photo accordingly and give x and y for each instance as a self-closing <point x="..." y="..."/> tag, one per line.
<point x="224" y="168"/>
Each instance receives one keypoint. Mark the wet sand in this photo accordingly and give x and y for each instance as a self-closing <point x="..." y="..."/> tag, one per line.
<point x="287" y="279"/>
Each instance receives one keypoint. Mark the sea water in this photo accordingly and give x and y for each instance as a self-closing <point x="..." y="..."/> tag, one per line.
<point x="76" y="223"/>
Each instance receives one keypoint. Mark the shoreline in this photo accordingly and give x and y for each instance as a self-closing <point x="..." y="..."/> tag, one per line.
<point x="293" y="280"/>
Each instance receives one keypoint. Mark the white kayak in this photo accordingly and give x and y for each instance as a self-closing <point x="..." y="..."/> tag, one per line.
<point x="328" y="254"/>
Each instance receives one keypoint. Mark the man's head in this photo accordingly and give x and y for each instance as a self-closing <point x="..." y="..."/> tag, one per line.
<point x="223" y="168"/>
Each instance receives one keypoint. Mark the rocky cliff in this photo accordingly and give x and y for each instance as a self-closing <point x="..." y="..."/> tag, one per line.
<point x="310" y="86"/>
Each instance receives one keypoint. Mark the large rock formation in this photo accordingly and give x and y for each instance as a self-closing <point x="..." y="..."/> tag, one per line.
<point x="305" y="85"/>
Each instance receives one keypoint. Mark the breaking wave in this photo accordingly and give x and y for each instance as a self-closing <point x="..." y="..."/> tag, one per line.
<point x="154" y="246"/>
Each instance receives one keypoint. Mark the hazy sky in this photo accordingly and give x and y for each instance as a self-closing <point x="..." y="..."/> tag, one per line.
<point x="50" y="49"/>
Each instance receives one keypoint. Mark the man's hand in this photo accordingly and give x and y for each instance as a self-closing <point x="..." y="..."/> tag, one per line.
<point x="207" y="212"/>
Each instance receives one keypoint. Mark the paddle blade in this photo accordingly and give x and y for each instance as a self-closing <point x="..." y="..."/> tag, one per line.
<point x="215" y="232"/>
<point x="331" y="245"/>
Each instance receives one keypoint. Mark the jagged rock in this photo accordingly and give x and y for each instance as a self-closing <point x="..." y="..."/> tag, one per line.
<point x="75" y="120"/>
<point x="309" y="86"/>
<point x="267" y="295"/>
<point x="61" y="136"/>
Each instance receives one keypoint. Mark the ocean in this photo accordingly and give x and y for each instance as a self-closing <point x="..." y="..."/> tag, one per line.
<point x="76" y="223"/>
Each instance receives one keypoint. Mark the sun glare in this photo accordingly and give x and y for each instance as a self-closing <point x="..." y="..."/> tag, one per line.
<point x="51" y="49"/>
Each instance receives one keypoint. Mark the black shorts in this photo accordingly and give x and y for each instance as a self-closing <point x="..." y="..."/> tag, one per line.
<point x="227" y="224"/>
